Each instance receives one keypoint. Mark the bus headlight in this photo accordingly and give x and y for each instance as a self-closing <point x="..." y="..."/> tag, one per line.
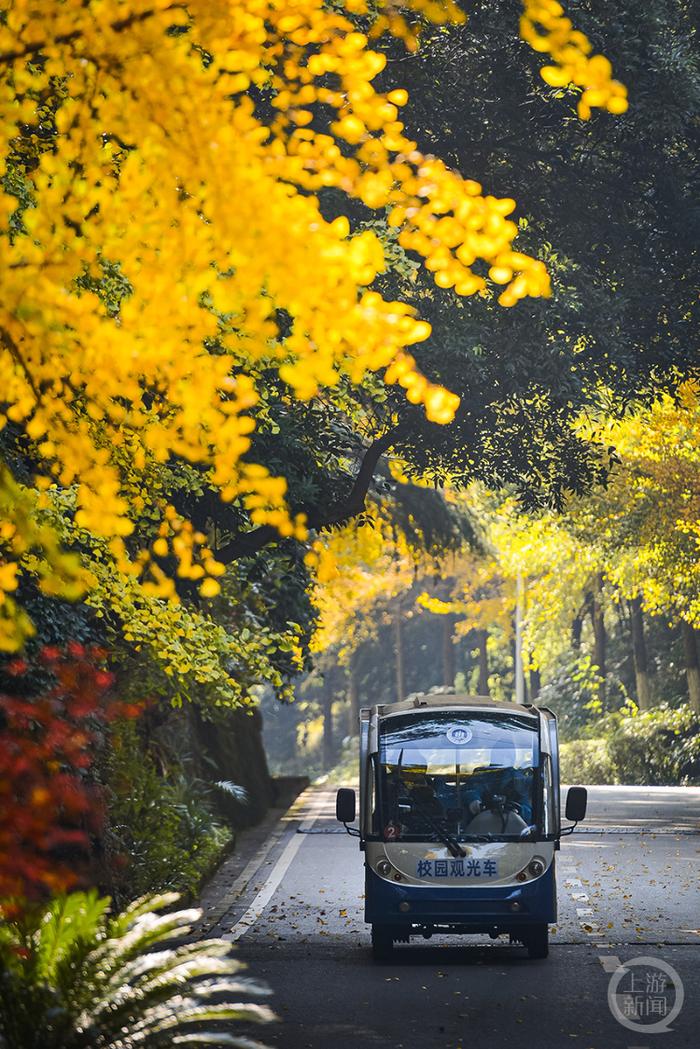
<point x="537" y="867"/>
<point x="384" y="868"/>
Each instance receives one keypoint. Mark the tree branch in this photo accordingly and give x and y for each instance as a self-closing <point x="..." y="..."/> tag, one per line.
<point x="250" y="542"/>
<point x="11" y="346"/>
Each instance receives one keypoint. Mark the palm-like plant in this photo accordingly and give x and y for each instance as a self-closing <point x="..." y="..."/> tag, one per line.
<point x="76" y="977"/>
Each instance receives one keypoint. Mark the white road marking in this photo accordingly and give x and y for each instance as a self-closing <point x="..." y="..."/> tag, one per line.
<point x="256" y="863"/>
<point x="266" y="893"/>
<point x="275" y="876"/>
<point x="610" y="962"/>
<point x="590" y="927"/>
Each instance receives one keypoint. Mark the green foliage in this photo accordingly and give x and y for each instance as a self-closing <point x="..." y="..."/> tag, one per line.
<point x="162" y="832"/>
<point x="175" y="649"/>
<point x="586" y="761"/>
<point x="73" y="976"/>
<point x="213" y="655"/>
<point x="625" y="293"/>
<point x="657" y="748"/>
<point x="429" y="522"/>
<point x="573" y="693"/>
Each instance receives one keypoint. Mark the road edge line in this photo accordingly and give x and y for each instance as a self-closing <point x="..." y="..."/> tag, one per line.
<point x="274" y="878"/>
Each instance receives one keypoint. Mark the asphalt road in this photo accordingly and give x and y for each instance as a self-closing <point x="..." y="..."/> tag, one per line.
<point x="629" y="888"/>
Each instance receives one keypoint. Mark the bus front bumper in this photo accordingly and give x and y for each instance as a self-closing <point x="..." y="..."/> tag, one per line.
<point x="481" y="909"/>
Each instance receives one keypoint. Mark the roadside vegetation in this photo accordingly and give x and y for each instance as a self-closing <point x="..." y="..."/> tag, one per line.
<point x="609" y="608"/>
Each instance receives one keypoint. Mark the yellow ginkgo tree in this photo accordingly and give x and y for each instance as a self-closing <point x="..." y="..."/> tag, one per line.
<point x="162" y="246"/>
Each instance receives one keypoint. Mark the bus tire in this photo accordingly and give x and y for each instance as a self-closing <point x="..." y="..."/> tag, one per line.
<point x="537" y="941"/>
<point x="382" y="943"/>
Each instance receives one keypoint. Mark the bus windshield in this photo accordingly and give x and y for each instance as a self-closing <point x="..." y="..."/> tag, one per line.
<point x="447" y="776"/>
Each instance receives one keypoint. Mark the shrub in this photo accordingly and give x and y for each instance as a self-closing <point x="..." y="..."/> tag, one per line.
<point x="162" y="831"/>
<point x="656" y="748"/>
<point x="72" y="976"/>
<point x="660" y="747"/>
<point x="52" y="720"/>
<point x="573" y="693"/>
<point x="586" y="761"/>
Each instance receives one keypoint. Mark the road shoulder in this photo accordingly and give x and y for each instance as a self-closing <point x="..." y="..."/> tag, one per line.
<point x="245" y="869"/>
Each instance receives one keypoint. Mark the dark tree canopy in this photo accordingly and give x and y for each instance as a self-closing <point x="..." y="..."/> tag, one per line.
<point x="610" y="204"/>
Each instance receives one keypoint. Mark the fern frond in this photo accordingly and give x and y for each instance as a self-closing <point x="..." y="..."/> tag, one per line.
<point x="235" y="790"/>
<point x="102" y="984"/>
<point x="66" y="921"/>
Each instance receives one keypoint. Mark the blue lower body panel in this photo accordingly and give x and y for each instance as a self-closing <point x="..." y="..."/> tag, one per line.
<point x="476" y="909"/>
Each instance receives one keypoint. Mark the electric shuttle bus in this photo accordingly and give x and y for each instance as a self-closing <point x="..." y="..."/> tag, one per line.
<point x="459" y="819"/>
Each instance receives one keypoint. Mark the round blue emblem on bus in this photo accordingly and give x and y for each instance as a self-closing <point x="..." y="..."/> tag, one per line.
<point x="459" y="735"/>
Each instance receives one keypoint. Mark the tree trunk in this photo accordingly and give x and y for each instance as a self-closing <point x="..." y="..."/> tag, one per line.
<point x="328" y="740"/>
<point x="639" y="651"/>
<point x="517" y="662"/>
<point x="483" y="687"/>
<point x="353" y="698"/>
<point x="576" y="628"/>
<point x="231" y="744"/>
<point x="448" y="651"/>
<point x="692" y="664"/>
<point x="535" y="683"/>
<point x="595" y="606"/>
<point x="398" y="655"/>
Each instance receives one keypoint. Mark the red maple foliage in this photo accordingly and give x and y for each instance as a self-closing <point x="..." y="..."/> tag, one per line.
<point x="48" y="806"/>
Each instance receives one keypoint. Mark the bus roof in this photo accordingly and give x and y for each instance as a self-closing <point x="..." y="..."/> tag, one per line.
<point x="449" y="700"/>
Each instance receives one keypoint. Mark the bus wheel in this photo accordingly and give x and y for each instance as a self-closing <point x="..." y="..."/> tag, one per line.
<point x="537" y="941"/>
<point x="382" y="943"/>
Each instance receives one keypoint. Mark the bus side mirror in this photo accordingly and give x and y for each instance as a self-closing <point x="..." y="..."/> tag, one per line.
<point x="345" y="805"/>
<point x="576" y="802"/>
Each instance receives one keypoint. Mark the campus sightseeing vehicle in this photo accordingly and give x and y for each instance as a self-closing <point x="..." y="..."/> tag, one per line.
<point x="459" y="819"/>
